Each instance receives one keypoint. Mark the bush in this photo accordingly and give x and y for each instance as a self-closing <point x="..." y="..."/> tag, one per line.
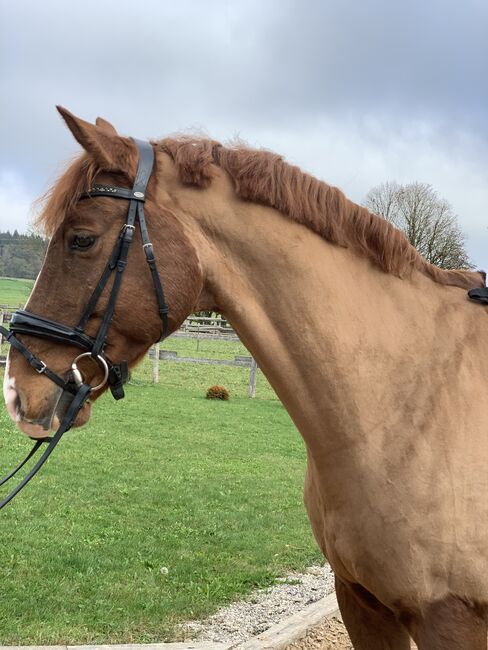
<point x="217" y="392"/>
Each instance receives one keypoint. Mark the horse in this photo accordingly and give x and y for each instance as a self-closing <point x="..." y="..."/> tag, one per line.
<point x="377" y="355"/>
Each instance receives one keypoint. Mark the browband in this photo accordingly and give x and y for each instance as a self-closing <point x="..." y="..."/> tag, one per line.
<point x="113" y="193"/>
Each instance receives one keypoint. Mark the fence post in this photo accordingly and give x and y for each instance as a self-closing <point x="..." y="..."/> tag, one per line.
<point x="156" y="364"/>
<point x="1" y="323"/>
<point x="252" y="378"/>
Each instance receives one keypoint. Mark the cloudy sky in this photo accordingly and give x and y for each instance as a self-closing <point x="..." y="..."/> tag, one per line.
<point x="356" y="92"/>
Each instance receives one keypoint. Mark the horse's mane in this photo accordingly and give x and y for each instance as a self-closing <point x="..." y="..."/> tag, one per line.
<point x="264" y="177"/>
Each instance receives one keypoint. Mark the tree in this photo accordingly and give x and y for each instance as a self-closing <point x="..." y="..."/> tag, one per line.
<point x="21" y="256"/>
<point x="427" y="220"/>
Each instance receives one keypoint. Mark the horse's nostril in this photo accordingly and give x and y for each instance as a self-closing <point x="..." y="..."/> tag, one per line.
<point x="12" y="400"/>
<point x="36" y="426"/>
<point x="17" y="405"/>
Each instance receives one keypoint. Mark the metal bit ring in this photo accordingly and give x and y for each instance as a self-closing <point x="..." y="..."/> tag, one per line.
<point x="78" y="377"/>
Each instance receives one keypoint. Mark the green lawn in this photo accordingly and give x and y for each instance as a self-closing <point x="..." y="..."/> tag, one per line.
<point x="14" y="292"/>
<point x="210" y="491"/>
<point x="200" y="377"/>
<point x="208" y="348"/>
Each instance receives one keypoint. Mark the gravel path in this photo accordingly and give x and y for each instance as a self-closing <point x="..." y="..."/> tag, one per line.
<point x="246" y="618"/>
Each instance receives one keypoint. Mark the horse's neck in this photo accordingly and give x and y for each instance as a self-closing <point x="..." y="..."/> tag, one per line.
<point x="344" y="345"/>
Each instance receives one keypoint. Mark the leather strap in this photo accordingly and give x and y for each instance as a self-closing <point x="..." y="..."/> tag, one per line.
<point x="38" y="365"/>
<point x="144" y="168"/>
<point x="20" y="465"/>
<point x="119" y="270"/>
<point x="112" y="192"/>
<point x="118" y="375"/>
<point x="73" y="410"/>
<point x="97" y="292"/>
<point x="151" y="261"/>
<point x="23" y="322"/>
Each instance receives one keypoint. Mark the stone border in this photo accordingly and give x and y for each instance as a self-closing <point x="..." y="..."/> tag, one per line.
<point x="277" y="637"/>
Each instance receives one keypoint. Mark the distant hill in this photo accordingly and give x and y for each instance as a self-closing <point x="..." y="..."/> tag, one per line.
<point x="21" y="256"/>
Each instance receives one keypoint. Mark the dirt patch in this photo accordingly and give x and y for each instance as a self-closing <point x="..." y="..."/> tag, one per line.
<point x="329" y="635"/>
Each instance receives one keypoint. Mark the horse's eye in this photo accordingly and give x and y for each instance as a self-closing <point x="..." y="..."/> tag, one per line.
<point x="82" y="242"/>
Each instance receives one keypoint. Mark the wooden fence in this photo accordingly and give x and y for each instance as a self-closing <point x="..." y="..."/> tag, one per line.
<point x="156" y="354"/>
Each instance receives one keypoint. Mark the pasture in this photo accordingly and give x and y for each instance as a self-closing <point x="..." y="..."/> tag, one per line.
<point x="166" y="506"/>
<point x="14" y="291"/>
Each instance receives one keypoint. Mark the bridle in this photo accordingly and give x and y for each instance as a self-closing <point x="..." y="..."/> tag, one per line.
<point x="115" y="374"/>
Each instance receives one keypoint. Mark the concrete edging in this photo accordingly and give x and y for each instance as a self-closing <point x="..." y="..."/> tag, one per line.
<point x="277" y="637"/>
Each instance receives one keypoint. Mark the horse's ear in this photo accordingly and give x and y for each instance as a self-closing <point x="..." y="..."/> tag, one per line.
<point x="105" y="126"/>
<point x="110" y="150"/>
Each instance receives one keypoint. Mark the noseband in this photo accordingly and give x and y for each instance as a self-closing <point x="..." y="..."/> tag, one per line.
<point x="115" y="374"/>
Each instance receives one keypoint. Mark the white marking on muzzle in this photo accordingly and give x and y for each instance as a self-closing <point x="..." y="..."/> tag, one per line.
<point x="10" y="396"/>
<point x="10" y="393"/>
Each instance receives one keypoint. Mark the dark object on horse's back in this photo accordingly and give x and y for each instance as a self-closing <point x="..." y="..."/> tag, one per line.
<point x="479" y="295"/>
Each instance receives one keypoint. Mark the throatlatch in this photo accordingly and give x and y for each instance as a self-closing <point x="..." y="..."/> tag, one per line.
<point x="115" y="374"/>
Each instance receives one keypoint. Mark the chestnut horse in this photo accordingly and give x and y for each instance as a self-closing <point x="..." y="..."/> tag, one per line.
<point x="378" y="356"/>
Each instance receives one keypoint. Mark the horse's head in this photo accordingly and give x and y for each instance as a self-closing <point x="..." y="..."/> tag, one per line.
<point x="83" y="234"/>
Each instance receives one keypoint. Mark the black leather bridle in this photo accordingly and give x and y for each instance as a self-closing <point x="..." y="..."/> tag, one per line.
<point x="115" y="374"/>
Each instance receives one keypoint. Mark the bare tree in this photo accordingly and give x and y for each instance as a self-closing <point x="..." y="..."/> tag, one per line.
<point x="427" y="220"/>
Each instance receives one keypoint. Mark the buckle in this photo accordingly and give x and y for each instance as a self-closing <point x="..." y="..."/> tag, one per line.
<point x="41" y="368"/>
<point x="127" y="231"/>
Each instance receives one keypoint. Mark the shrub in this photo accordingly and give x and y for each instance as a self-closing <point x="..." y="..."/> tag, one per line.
<point x="217" y="392"/>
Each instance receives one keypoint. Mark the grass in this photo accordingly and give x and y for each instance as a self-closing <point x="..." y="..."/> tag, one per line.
<point x="200" y="377"/>
<point x="15" y="291"/>
<point x="208" y="348"/>
<point x="209" y="490"/>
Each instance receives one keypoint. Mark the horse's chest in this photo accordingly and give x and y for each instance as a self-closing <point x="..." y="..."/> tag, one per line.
<point x="399" y="549"/>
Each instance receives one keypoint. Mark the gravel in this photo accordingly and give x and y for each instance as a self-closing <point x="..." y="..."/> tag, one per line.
<point x="262" y="609"/>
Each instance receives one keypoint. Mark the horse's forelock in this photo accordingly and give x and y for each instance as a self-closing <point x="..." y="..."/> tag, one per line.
<point x="65" y="191"/>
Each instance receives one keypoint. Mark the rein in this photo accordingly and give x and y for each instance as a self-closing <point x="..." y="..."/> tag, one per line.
<point x="115" y="374"/>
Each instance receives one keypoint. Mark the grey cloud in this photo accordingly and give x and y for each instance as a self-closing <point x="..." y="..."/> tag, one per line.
<point x="427" y="57"/>
<point x="293" y="75"/>
<point x="242" y="62"/>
